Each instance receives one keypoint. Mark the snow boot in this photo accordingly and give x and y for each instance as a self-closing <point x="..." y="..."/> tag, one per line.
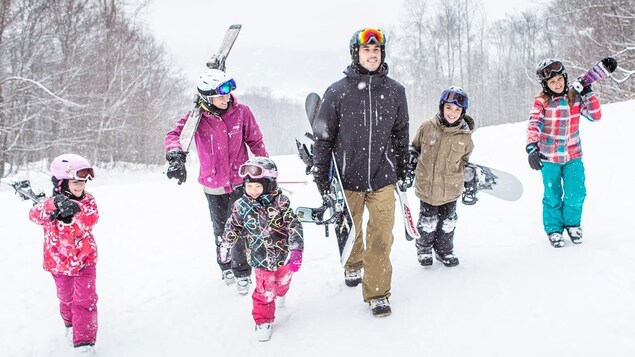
<point x="281" y="301"/>
<point x="85" y="350"/>
<point x="575" y="233"/>
<point x="555" y="238"/>
<point x="68" y="334"/>
<point x="352" y="277"/>
<point x="449" y="260"/>
<point x="263" y="332"/>
<point x="425" y="259"/>
<point x="380" y="307"/>
<point x="242" y="284"/>
<point x="228" y="277"/>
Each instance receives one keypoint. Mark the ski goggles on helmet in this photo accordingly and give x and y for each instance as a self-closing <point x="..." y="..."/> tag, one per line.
<point x="83" y="174"/>
<point x="455" y="97"/>
<point x="223" y="89"/>
<point x="256" y="171"/>
<point x="551" y="70"/>
<point x="371" y="36"/>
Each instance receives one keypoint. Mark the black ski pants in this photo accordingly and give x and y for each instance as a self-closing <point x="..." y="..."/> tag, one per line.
<point x="220" y="208"/>
<point x="436" y="225"/>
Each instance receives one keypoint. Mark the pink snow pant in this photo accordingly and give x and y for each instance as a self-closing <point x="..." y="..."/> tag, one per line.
<point x="78" y="304"/>
<point x="269" y="284"/>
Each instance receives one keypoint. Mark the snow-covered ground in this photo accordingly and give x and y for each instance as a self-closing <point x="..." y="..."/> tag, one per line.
<point x="512" y="295"/>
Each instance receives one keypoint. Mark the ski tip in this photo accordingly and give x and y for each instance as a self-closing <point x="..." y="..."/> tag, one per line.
<point x="610" y="63"/>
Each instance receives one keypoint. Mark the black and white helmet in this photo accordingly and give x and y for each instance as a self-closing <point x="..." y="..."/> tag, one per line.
<point x="547" y="69"/>
<point x="262" y="170"/>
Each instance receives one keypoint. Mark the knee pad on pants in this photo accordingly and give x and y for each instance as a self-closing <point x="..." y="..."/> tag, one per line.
<point x="427" y="224"/>
<point x="449" y="224"/>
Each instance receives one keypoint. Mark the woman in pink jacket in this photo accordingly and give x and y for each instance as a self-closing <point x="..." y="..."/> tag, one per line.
<point x="225" y="131"/>
<point x="70" y="252"/>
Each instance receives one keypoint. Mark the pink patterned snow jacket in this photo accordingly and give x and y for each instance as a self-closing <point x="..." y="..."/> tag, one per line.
<point x="68" y="248"/>
<point x="555" y="125"/>
<point x="221" y="144"/>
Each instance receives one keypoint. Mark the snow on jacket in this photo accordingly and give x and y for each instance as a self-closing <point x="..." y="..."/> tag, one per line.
<point x="68" y="248"/>
<point x="555" y="125"/>
<point x="439" y="176"/>
<point x="270" y="227"/>
<point x="221" y="143"/>
<point x="363" y="119"/>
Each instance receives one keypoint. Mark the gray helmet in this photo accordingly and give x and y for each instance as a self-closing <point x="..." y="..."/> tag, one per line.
<point x="367" y="36"/>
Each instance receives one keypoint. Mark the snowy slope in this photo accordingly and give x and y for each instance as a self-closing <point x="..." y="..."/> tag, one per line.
<point x="512" y="295"/>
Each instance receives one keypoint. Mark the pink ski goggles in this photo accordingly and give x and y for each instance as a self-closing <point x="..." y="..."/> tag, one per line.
<point x="256" y="171"/>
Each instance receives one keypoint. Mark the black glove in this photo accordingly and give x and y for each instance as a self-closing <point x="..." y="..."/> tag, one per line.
<point x="411" y="165"/>
<point x="66" y="208"/>
<point x="586" y="90"/>
<point x="535" y="156"/>
<point x="176" y="159"/>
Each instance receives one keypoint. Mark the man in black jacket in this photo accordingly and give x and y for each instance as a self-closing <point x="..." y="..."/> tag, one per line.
<point x="363" y="120"/>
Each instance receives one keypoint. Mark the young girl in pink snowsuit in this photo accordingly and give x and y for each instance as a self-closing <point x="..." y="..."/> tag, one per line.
<point x="264" y="218"/>
<point x="70" y="252"/>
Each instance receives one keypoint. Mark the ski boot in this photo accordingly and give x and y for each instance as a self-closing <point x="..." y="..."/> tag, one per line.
<point x="449" y="260"/>
<point x="263" y="332"/>
<point x="555" y="238"/>
<point x="242" y="284"/>
<point x="228" y="277"/>
<point x="575" y="233"/>
<point x="424" y="256"/>
<point x="352" y="277"/>
<point x="380" y="307"/>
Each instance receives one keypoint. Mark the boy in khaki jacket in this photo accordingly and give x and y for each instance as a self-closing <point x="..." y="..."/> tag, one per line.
<point x="445" y="144"/>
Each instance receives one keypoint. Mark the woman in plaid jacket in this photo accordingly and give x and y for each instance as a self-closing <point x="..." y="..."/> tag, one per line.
<point x="554" y="148"/>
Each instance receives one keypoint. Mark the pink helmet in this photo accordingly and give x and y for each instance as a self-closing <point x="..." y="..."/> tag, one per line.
<point x="71" y="167"/>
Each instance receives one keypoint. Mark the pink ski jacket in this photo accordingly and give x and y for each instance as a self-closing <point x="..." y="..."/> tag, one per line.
<point x="68" y="248"/>
<point x="221" y="144"/>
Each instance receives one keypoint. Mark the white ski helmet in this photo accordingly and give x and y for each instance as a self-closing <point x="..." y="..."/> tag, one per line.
<point x="71" y="167"/>
<point x="214" y="83"/>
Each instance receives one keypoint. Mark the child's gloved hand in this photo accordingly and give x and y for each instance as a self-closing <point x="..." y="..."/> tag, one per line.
<point x="535" y="156"/>
<point x="295" y="260"/>
<point x="66" y="208"/>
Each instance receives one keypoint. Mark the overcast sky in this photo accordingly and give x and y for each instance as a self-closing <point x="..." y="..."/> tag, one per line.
<point x="192" y="30"/>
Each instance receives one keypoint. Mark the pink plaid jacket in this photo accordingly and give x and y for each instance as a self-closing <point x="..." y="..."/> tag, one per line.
<point x="555" y="125"/>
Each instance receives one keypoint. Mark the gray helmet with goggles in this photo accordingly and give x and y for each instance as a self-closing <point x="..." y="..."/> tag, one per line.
<point x="261" y="170"/>
<point x="547" y="69"/>
<point x="367" y="36"/>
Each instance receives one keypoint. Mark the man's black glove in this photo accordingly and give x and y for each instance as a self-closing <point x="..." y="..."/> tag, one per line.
<point x="176" y="159"/>
<point x="535" y="156"/>
<point x="66" y="208"/>
<point x="411" y="165"/>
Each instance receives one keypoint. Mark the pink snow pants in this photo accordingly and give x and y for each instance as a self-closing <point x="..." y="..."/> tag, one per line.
<point x="78" y="304"/>
<point x="269" y="284"/>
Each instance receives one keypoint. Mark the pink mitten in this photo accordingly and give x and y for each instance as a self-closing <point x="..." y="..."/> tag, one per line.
<point x="295" y="260"/>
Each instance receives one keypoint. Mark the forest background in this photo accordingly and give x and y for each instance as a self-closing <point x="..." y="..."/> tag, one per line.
<point x="88" y="76"/>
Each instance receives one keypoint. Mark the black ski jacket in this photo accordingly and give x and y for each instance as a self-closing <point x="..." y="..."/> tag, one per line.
<point x="363" y="120"/>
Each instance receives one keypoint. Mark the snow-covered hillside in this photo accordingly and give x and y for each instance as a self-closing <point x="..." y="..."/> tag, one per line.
<point x="512" y="295"/>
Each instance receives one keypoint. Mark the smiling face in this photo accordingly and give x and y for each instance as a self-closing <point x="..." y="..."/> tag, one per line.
<point x="452" y="112"/>
<point x="253" y="189"/>
<point x="76" y="187"/>
<point x="370" y="57"/>
<point x="556" y="84"/>
<point x="221" y="102"/>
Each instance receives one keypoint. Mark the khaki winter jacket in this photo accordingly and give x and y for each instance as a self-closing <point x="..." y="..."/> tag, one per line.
<point x="444" y="151"/>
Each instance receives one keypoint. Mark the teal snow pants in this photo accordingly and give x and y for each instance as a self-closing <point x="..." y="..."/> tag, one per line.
<point x="564" y="195"/>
